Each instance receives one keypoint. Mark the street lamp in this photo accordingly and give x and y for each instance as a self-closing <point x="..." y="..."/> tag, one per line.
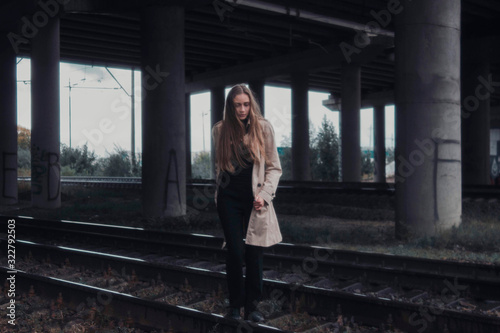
<point x="69" y="107"/>
<point x="203" y="114"/>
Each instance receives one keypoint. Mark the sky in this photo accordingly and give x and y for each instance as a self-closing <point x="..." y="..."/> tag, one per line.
<point x="101" y="116"/>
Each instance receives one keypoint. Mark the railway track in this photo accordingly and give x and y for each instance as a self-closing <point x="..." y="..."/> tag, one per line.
<point x="469" y="192"/>
<point x="414" y="295"/>
<point x="282" y="299"/>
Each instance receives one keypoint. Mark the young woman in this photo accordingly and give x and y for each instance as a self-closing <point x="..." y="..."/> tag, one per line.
<point x="247" y="174"/>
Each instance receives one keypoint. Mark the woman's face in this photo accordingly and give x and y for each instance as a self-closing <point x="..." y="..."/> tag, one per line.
<point x="242" y="106"/>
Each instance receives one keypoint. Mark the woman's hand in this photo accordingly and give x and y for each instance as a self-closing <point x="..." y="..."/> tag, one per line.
<point x="258" y="203"/>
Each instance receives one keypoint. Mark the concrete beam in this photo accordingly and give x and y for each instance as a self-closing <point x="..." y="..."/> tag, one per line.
<point x="117" y="6"/>
<point x="299" y="13"/>
<point x="367" y="101"/>
<point x="378" y="98"/>
<point x="308" y="61"/>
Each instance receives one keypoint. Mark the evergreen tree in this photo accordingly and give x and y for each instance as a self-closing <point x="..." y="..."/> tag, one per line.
<point x="390" y="155"/>
<point x="325" y="151"/>
<point x="367" y="164"/>
<point x="323" y="154"/>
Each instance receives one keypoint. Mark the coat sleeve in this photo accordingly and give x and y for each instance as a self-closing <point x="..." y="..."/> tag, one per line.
<point x="273" y="166"/>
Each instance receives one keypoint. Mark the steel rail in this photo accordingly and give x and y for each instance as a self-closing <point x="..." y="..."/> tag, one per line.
<point x="144" y="312"/>
<point x="314" y="300"/>
<point x="489" y="192"/>
<point x="482" y="280"/>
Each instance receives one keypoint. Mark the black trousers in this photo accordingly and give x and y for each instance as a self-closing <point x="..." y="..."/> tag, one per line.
<point x="234" y="205"/>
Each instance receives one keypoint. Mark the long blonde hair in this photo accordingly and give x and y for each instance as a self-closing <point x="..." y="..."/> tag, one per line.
<point x="233" y="144"/>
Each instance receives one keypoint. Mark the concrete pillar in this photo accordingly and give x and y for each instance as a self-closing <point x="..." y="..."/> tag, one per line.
<point x="8" y="125"/>
<point x="189" y="174"/>
<point x="45" y="116"/>
<point x="475" y="114"/>
<point x="163" y="115"/>
<point x="132" y="120"/>
<point x="217" y="101"/>
<point x="428" y="157"/>
<point x="350" y="122"/>
<point x="379" y="140"/>
<point x="495" y="119"/>
<point x="301" y="169"/>
<point x="257" y="87"/>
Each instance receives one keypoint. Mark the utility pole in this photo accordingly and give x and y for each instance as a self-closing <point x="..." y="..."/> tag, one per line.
<point x="132" y="109"/>
<point x="203" y="114"/>
<point x="69" y="110"/>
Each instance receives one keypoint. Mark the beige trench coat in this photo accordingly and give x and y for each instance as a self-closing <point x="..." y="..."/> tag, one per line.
<point x="263" y="229"/>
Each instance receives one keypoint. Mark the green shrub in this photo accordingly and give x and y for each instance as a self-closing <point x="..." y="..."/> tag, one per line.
<point x="67" y="171"/>
<point x="81" y="160"/>
<point x="201" y="168"/>
<point x="119" y="164"/>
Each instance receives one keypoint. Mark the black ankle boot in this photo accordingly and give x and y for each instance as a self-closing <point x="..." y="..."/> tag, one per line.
<point x="233" y="313"/>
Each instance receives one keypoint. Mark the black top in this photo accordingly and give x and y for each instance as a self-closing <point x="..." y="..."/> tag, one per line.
<point x="242" y="175"/>
<point x="241" y="178"/>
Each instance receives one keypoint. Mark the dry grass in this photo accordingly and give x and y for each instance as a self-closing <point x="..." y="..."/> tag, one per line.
<point x="343" y="224"/>
<point x="474" y="241"/>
